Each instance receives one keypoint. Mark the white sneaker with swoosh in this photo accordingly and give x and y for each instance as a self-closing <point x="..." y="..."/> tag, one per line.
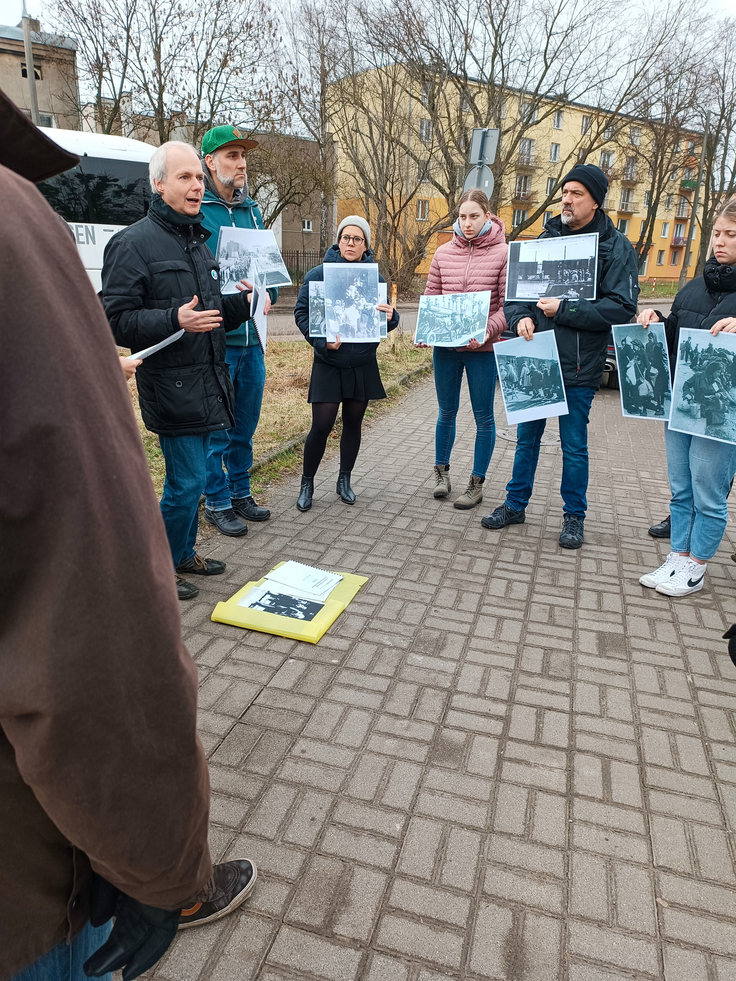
<point x="688" y="579"/>
<point x="665" y="572"/>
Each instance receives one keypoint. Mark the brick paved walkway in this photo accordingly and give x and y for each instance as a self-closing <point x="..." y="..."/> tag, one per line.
<point x="505" y="761"/>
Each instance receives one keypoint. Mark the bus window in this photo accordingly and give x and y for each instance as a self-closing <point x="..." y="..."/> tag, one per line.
<point x="97" y="190"/>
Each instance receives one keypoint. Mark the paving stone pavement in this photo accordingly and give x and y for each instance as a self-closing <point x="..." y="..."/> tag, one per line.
<point x="505" y="761"/>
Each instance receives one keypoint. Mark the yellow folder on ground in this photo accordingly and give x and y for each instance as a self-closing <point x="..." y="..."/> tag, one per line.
<point x="282" y="626"/>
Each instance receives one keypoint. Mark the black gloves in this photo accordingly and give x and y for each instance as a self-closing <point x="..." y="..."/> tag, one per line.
<point x="730" y="636"/>
<point x="140" y="937"/>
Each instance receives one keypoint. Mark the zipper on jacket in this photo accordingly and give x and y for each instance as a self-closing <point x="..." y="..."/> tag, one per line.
<point x="467" y="267"/>
<point x="577" y="343"/>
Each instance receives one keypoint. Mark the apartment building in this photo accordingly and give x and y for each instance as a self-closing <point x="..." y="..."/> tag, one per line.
<point x="55" y="69"/>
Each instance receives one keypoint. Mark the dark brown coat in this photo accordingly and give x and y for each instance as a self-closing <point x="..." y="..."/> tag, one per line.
<point x="100" y="764"/>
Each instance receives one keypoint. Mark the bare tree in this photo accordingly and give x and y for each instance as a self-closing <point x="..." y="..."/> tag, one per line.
<point x="284" y="170"/>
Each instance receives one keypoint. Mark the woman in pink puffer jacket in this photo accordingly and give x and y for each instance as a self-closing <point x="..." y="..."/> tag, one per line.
<point x="473" y="261"/>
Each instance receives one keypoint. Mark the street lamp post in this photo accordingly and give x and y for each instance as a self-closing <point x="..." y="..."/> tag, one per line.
<point x="26" y="21"/>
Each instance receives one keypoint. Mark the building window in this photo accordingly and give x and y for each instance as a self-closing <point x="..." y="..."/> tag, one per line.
<point x="660" y="257"/>
<point x="307" y="225"/>
<point x="673" y="174"/>
<point x="608" y="133"/>
<point x="606" y="163"/>
<point x="630" y="168"/>
<point x="677" y="147"/>
<point x="679" y="229"/>
<point x="547" y="216"/>
<point x="526" y="152"/>
<point x="623" y="226"/>
<point x="688" y="174"/>
<point x="558" y="119"/>
<point x="424" y="171"/>
<point x="690" y="148"/>
<point x="582" y="154"/>
<point x="554" y="153"/>
<point x="665" y="229"/>
<point x="675" y="258"/>
<point x="683" y="208"/>
<point x="642" y="227"/>
<point x="523" y="187"/>
<point x="635" y="135"/>
<point x="551" y="186"/>
<point x="643" y="262"/>
<point x="425" y="130"/>
<point x="426" y="94"/>
<point x="627" y="200"/>
<point x="422" y="209"/>
<point x="502" y="109"/>
<point x="647" y="199"/>
<point x="519" y="217"/>
<point x="689" y="259"/>
<point x="529" y="111"/>
<point x="459" y="176"/>
<point x="36" y="71"/>
<point x="585" y="124"/>
<point x="45" y="120"/>
<point x="669" y="202"/>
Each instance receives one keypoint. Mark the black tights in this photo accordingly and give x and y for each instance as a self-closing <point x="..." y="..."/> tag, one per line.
<point x="323" y="419"/>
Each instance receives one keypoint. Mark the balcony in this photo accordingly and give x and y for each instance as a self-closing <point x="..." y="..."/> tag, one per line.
<point x="679" y="240"/>
<point x="526" y="159"/>
<point x="523" y="198"/>
<point x="629" y="176"/>
<point x="627" y="207"/>
<point x="688" y="185"/>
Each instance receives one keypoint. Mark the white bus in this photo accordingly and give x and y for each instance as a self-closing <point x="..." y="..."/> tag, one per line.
<point x="107" y="190"/>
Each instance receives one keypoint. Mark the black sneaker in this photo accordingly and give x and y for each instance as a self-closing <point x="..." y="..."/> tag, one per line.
<point x="572" y="535"/>
<point x="199" y="566"/>
<point x="234" y="882"/>
<point x="502" y="516"/>
<point x="662" y="530"/>
<point x="227" y="522"/>
<point x="247" y="508"/>
<point x="186" y="590"/>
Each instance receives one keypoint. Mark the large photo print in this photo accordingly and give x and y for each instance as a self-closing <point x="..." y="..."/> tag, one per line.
<point x="351" y="298"/>
<point x="240" y="249"/>
<point x="531" y="378"/>
<point x="452" y="319"/>
<point x="643" y="371"/>
<point x="704" y="392"/>
<point x="564" y="267"/>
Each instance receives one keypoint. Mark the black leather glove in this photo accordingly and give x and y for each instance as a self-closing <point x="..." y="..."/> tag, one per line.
<point x="140" y="937"/>
<point x="730" y="636"/>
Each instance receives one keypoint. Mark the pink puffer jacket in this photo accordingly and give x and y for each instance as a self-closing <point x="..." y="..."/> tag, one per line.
<point x="461" y="266"/>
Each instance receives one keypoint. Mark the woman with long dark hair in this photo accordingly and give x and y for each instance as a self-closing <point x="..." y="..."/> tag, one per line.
<point x="341" y="373"/>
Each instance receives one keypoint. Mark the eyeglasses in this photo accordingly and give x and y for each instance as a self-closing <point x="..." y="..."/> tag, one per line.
<point x="352" y="239"/>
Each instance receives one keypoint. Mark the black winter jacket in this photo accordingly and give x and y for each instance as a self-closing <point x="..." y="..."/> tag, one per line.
<point x="347" y="355"/>
<point x="582" y="326"/>
<point x="700" y="304"/>
<point x="150" y="269"/>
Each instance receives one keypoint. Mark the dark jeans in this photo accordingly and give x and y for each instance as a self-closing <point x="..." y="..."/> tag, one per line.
<point x="64" y="962"/>
<point x="574" y="440"/>
<point x="480" y="367"/>
<point x="186" y="473"/>
<point x="234" y="446"/>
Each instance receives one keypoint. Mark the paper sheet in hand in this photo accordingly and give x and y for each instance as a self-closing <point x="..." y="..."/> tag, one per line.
<point x="382" y="317"/>
<point x="317" y="324"/>
<point x="305" y="580"/>
<point x="643" y="371"/>
<point x="156" y="347"/>
<point x="452" y="319"/>
<point x="351" y="298"/>
<point x="703" y="393"/>
<point x="531" y="378"/>
<point x="239" y="249"/>
<point x="258" y="307"/>
<point x="564" y="267"/>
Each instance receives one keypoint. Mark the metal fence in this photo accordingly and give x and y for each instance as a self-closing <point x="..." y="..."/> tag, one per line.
<point x="300" y="262"/>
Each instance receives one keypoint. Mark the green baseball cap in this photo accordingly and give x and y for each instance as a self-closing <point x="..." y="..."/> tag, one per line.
<point x="220" y="136"/>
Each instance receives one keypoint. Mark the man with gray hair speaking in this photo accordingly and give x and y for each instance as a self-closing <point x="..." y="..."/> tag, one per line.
<point x="159" y="278"/>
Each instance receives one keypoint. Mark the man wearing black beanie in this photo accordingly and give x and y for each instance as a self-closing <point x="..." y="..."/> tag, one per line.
<point x="581" y="329"/>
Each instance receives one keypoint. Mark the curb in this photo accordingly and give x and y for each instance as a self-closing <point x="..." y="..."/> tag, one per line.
<point x="299" y="440"/>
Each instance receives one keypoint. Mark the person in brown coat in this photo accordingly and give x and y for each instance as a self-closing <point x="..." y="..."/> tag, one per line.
<point x="104" y="791"/>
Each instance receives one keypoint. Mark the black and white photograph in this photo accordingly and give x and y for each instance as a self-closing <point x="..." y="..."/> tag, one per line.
<point x="239" y="249"/>
<point x="351" y="298"/>
<point x="382" y="315"/>
<point x="643" y="371"/>
<point x="564" y="267"/>
<point x="452" y="319"/>
<point x="267" y="599"/>
<point x="531" y="378"/>
<point x="317" y="324"/>
<point x="704" y="392"/>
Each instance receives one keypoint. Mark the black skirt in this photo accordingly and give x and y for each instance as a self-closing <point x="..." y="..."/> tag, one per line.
<point x="331" y="384"/>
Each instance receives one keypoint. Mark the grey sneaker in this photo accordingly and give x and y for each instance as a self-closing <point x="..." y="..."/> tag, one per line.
<point x="442" y="485"/>
<point x="572" y="535"/>
<point x="472" y="496"/>
<point x="502" y="516"/>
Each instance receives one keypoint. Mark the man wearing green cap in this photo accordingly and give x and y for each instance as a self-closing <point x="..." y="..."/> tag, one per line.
<point x="226" y="202"/>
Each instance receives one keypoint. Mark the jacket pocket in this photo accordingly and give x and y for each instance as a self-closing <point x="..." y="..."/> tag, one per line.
<point x="181" y="398"/>
<point x="172" y="280"/>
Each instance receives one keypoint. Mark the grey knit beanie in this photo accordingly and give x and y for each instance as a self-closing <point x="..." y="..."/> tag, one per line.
<point x="361" y="223"/>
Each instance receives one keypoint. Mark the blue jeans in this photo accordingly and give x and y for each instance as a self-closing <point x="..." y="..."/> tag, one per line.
<point x="186" y="473"/>
<point x="234" y="446"/>
<point x="480" y="367"/>
<point x="574" y="442"/>
<point x="64" y="962"/>
<point x="700" y="471"/>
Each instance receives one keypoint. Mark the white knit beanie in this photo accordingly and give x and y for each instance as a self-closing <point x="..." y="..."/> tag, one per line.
<point x="361" y="223"/>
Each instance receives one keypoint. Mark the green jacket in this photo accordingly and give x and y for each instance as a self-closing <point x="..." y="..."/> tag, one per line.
<point x="242" y="212"/>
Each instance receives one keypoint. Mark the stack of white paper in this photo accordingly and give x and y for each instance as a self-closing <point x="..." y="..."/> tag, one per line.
<point x="304" y="581"/>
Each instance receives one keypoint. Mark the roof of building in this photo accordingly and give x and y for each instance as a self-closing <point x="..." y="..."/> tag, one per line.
<point x="38" y="37"/>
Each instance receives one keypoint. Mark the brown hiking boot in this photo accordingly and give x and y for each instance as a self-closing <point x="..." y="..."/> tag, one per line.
<point x="472" y="496"/>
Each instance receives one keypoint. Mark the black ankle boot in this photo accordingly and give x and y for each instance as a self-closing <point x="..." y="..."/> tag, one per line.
<point x="343" y="487"/>
<point x="304" y="502"/>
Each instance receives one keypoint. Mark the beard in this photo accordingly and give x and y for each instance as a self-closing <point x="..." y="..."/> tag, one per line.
<point x="566" y="217"/>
